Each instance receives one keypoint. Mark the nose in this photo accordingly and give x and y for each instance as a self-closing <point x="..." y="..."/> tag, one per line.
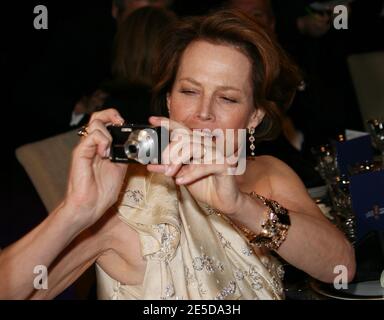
<point x="205" y="111"/>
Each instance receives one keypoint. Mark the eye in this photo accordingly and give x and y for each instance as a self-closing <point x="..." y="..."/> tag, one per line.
<point x="188" y="92"/>
<point x="229" y="100"/>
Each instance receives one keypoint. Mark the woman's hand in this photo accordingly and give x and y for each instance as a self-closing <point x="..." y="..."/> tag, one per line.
<point x="94" y="181"/>
<point x="207" y="181"/>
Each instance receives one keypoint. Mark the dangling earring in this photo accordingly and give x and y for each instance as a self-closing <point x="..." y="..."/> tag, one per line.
<point x="251" y="139"/>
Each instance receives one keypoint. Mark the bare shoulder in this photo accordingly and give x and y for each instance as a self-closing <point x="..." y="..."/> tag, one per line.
<point x="275" y="168"/>
<point x="283" y="184"/>
<point x="272" y="169"/>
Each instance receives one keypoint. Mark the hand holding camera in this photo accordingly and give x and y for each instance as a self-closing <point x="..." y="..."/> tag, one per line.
<point x="199" y="162"/>
<point x="94" y="183"/>
<point x="137" y="143"/>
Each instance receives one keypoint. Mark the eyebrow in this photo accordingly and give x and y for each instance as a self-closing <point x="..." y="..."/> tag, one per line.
<point x="198" y="84"/>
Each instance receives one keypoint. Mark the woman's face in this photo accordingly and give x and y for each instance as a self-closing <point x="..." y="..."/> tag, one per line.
<point x="213" y="89"/>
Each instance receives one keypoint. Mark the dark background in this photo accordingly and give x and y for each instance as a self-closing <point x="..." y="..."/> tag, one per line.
<point x="46" y="71"/>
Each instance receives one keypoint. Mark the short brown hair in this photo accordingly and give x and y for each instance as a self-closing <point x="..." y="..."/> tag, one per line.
<point x="275" y="78"/>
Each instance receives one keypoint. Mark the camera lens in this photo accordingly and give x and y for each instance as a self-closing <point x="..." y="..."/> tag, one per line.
<point x="141" y="145"/>
<point x="132" y="149"/>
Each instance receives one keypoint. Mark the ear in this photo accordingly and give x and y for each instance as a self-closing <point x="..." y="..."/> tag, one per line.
<point x="256" y="117"/>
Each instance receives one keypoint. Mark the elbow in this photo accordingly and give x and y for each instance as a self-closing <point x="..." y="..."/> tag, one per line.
<point x="350" y="262"/>
<point x="346" y="261"/>
<point x="343" y="266"/>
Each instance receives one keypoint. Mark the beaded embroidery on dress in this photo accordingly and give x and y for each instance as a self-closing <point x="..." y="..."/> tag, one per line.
<point x="191" y="253"/>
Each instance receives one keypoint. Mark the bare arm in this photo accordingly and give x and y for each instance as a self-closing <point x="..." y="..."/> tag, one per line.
<point x="313" y="244"/>
<point x="94" y="185"/>
<point x="77" y="257"/>
<point x="39" y="247"/>
<point x="57" y="244"/>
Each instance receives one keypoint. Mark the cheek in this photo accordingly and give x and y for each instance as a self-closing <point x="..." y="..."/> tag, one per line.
<point x="179" y="108"/>
<point x="233" y="119"/>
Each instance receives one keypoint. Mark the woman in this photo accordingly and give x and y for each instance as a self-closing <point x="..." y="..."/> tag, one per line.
<point x="179" y="231"/>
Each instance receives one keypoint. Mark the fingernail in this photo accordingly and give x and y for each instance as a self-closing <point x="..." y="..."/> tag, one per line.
<point x="107" y="152"/>
<point x="119" y="118"/>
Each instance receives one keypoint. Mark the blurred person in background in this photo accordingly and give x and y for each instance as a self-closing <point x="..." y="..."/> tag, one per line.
<point x="327" y="103"/>
<point x="121" y="9"/>
<point x="261" y="10"/>
<point x="287" y="146"/>
<point x="135" y="48"/>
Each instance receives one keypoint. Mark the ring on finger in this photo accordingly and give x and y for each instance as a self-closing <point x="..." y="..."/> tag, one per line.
<point x="83" y="132"/>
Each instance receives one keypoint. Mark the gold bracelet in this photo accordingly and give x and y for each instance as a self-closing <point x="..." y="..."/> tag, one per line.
<point x="274" y="228"/>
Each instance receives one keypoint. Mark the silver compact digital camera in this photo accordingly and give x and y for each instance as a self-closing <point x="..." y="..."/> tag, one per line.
<point x="137" y="143"/>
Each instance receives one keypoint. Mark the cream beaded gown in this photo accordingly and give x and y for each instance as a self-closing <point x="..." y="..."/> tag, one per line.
<point x="191" y="252"/>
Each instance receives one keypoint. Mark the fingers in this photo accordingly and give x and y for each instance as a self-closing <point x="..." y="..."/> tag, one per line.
<point x="96" y="129"/>
<point x="95" y="143"/>
<point x="194" y="172"/>
<point x="99" y="125"/>
<point x="195" y="158"/>
<point x="187" y="147"/>
<point x="182" y="151"/>
<point x="108" y="116"/>
<point x="167" y="123"/>
<point x="191" y="173"/>
<point x="177" y="154"/>
<point x="157" y="168"/>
